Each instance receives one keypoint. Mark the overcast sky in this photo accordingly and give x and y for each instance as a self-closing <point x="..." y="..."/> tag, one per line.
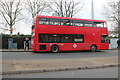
<point x="25" y="28"/>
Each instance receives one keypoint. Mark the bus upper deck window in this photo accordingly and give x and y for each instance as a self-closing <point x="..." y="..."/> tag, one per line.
<point x="42" y="20"/>
<point x="66" y="22"/>
<point x="88" y="24"/>
<point x="99" y="24"/>
<point x="33" y="26"/>
<point x="105" y="25"/>
<point x="32" y="35"/>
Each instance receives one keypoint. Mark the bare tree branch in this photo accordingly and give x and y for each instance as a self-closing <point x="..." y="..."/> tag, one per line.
<point x="36" y="7"/>
<point x="10" y="11"/>
<point x="65" y="8"/>
<point x="112" y="13"/>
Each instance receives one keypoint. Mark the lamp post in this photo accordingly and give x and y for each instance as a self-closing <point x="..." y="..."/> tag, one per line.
<point x="92" y="9"/>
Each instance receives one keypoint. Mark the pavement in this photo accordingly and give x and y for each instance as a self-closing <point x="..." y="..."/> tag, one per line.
<point x="50" y="65"/>
<point x="15" y="50"/>
<point x="111" y="72"/>
<point x="22" y="50"/>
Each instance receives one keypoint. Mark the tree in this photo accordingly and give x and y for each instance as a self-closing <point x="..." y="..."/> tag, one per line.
<point x="36" y="7"/>
<point x="112" y="13"/>
<point x="10" y="11"/>
<point x="65" y="8"/>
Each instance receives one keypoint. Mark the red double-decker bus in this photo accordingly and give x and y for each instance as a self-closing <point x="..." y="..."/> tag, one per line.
<point x="52" y="33"/>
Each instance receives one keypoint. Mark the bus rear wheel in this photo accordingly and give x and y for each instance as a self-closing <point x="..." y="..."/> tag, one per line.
<point x="93" y="48"/>
<point x="55" y="48"/>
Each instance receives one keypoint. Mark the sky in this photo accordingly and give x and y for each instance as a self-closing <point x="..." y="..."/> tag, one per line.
<point x="24" y="27"/>
<point x="98" y="9"/>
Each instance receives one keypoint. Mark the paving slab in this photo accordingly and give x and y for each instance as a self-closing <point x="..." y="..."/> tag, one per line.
<point x="27" y="66"/>
<point x="15" y="50"/>
<point x="22" y="50"/>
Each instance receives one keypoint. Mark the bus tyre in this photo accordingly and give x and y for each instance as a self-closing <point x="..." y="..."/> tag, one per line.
<point x="93" y="48"/>
<point x="55" y="49"/>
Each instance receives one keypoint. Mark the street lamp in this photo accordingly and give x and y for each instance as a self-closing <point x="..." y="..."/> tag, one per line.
<point x="92" y="9"/>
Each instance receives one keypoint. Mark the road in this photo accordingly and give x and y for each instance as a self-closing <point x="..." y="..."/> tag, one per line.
<point x="111" y="72"/>
<point x="61" y="55"/>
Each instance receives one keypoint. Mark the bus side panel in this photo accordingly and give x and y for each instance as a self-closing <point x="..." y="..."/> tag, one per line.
<point x="72" y="46"/>
<point x="87" y="41"/>
<point x="104" y="46"/>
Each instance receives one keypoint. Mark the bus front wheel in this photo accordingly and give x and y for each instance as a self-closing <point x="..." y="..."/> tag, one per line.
<point x="55" y="49"/>
<point x="93" y="48"/>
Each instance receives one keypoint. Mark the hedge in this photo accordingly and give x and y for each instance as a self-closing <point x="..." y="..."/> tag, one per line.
<point x="19" y="39"/>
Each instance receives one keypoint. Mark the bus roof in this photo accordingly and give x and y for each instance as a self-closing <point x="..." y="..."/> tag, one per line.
<point x="71" y="18"/>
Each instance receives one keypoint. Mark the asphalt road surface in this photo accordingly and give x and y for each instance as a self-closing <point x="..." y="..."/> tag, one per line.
<point x="61" y="55"/>
<point x="111" y="72"/>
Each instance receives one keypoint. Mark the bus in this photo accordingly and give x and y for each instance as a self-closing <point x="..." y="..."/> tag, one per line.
<point x="53" y="33"/>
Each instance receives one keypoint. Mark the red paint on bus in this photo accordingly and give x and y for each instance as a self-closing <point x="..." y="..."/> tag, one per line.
<point x="92" y="35"/>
